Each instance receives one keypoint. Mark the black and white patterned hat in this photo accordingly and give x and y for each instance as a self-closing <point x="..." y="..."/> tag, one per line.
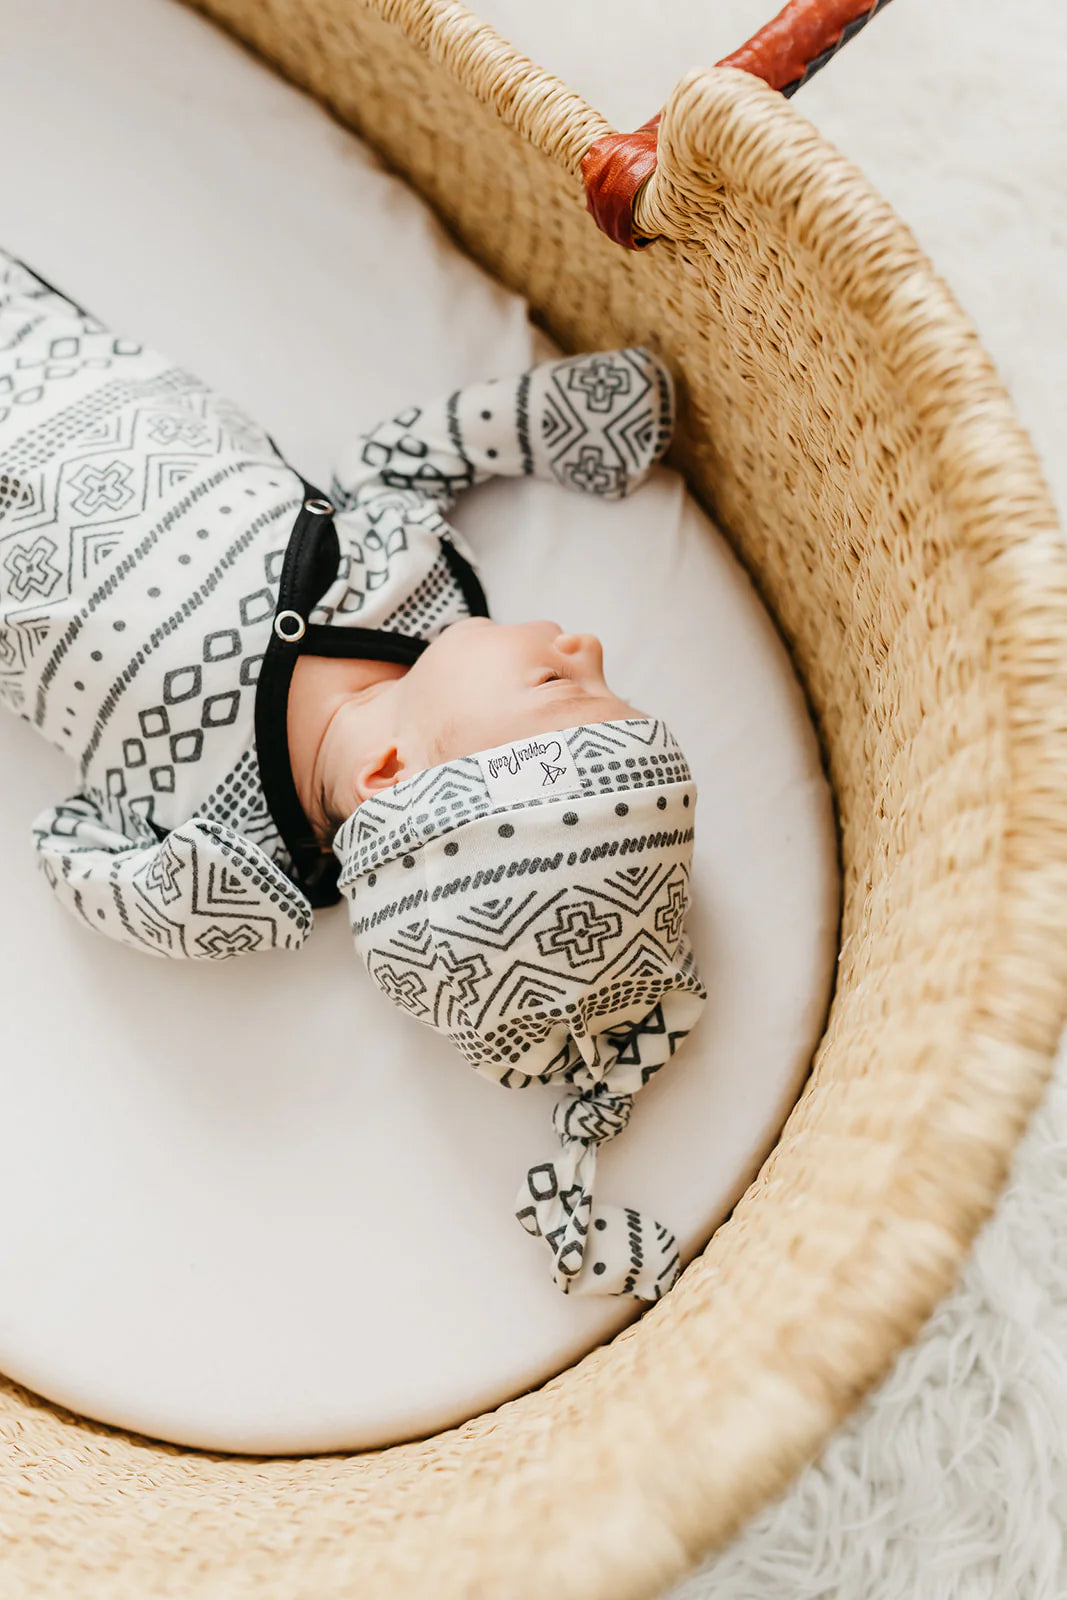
<point x="529" y="902"/>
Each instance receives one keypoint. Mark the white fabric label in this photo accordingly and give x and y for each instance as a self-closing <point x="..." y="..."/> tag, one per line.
<point x="530" y="769"/>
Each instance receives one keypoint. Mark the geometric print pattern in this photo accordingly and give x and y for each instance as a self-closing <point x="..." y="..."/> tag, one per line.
<point x="204" y="891"/>
<point x="238" y="802"/>
<point x="594" y="423"/>
<point x="610" y="758"/>
<point x="134" y="521"/>
<point x="546" y="963"/>
<point x="144" y="523"/>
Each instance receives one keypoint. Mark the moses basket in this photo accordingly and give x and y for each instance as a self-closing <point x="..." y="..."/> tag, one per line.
<point x="842" y="424"/>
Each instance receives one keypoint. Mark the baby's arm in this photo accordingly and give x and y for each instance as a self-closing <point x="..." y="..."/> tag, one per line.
<point x="203" y="892"/>
<point x="595" y="423"/>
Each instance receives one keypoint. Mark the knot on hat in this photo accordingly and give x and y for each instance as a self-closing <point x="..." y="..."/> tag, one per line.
<point x="596" y="1248"/>
<point x="591" y="1115"/>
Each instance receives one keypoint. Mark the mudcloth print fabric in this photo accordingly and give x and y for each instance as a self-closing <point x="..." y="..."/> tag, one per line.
<point x="144" y="522"/>
<point x="545" y="937"/>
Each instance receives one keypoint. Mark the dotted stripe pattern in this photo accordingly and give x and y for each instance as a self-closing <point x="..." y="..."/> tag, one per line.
<point x="610" y="757"/>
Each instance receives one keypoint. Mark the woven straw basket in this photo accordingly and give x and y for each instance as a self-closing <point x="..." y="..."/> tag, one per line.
<point x="841" y="422"/>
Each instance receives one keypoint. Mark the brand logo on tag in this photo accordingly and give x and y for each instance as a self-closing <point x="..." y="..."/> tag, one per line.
<point x="530" y="769"/>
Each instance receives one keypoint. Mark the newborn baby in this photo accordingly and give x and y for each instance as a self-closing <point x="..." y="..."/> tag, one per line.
<point x="275" y="698"/>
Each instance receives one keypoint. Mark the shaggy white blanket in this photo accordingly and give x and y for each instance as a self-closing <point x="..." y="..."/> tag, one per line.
<point x="950" y="1483"/>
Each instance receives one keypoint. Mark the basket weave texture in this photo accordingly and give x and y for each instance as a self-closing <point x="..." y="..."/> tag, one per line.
<point x="843" y="425"/>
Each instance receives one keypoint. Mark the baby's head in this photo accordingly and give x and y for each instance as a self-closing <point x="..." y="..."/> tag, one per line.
<point x="518" y="875"/>
<point x="480" y="684"/>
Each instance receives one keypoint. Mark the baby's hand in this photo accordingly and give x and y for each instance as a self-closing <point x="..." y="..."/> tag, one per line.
<point x="605" y="419"/>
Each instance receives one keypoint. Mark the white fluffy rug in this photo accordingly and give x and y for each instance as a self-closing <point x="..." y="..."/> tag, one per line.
<point x="951" y="1482"/>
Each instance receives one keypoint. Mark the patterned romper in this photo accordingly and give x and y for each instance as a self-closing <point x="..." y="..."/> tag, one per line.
<point x="162" y="566"/>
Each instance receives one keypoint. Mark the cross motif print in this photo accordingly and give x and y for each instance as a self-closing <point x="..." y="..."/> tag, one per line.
<point x="580" y="934"/>
<point x="163" y="873"/>
<point x="97" y="488"/>
<point x="405" y="989"/>
<point x="165" y="429"/>
<point x="602" y="380"/>
<point x="669" y="917"/>
<point x="31" y="569"/>
<point x="465" y="972"/>
<point x="591" y="473"/>
<point x="223" y="942"/>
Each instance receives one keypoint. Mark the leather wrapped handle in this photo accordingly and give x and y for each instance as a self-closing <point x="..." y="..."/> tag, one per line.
<point x="785" y="54"/>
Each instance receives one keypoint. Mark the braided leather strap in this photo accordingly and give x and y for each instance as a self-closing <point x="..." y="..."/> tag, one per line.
<point x="785" y="54"/>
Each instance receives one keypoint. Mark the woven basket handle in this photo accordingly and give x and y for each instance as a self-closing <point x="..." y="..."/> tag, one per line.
<point x="785" y="54"/>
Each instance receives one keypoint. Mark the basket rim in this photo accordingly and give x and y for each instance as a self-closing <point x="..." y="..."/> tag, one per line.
<point x="1003" y="1050"/>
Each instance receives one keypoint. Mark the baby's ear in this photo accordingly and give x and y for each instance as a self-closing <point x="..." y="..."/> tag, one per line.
<point x="381" y="770"/>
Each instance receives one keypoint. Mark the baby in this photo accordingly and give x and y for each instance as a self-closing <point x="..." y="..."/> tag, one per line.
<point x="277" y="698"/>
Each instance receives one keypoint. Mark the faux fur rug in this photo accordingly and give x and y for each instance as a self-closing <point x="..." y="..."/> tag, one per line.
<point x="950" y="1483"/>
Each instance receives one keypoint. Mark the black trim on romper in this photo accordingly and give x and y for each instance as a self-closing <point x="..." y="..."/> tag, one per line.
<point x="310" y="566"/>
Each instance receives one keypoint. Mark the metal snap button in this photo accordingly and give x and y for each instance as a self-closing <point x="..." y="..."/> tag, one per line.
<point x="290" y="626"/>
<point x="321" y="508"/>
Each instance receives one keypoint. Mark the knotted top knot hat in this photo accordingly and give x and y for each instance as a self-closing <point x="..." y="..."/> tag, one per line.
<point x="529" y="902"/>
